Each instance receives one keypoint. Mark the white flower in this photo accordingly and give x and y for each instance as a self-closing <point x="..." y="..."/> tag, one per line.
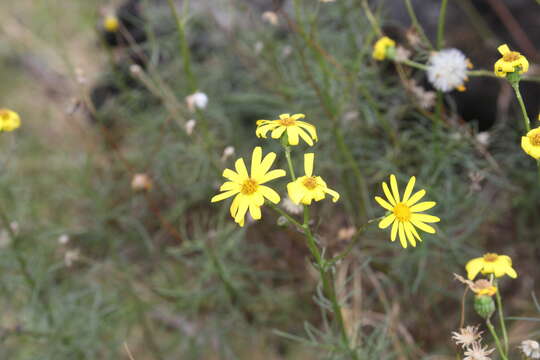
<point x="141" y="182"/>
<point x="71" y="256"/>
<point x="258" y="48"/>
<point x="447" y="70"/>
<point x="530" y="348"/>
<point x="477" y="352"/>
<point x="190" y="125"/>
<point x="63" y="239"/>
<point x="466" y="336"/>
<point x="483" y="138"/>
<point x="291" y="207"/>
<point x="197" y="100"/>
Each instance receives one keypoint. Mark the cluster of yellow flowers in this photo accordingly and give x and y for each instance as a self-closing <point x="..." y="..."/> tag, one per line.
<point x="405" y="213"/>
<point x="248" y="189"/>
<point x="9" y="120"/>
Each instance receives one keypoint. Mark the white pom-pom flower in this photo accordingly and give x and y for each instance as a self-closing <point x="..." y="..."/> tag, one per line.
<point x="447" y="70"/>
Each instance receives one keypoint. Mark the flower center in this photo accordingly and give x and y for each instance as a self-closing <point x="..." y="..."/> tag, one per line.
<point x="310" y="182"/>
<point x="511" y="56"/>
<point x="249" y="187"/>
<point x="287" y="121"/>
<point x="490" y="257"/>
<point x="402" y="212"/>
<point x="535" y="139"/>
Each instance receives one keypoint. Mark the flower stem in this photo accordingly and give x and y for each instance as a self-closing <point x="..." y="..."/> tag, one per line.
<point x="440" y="27"/>
<point x="289" y="161"/>
<point x="414" y="64"/>
<point x="496" y="338"/>
<point x="327" y="282"/>
<point x="526" y="121"/>
<point x="284" y="214"/>
<point x="501" y="319"/>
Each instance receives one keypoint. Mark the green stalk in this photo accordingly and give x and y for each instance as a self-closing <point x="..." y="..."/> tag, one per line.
<point x="496" y="338"/>
<point x="526" y="121"/>
<point x="501" y="319"/>
<point x="288" y="156"/>
<point x="184" y="47"/>
<point x="414" y="64"/>
<point x="327" y="282"/>
<point x="440" y="25"/>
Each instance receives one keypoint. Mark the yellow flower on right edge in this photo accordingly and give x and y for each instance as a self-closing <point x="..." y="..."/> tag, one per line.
<point x="510" y="62"/>
<point x="404" y="216"/>
<point x="288" y="124"/>
<point x="9" y="120"/>
<point x="530" y="143"/>
<point x="491" y="263"/>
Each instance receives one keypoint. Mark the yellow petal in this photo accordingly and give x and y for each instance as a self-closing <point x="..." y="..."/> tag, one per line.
<point x="255" y="211"/>
<point x="309" y="158"/>
<point x="224" y="195"/>
<point x="271" y="175"/>
<point x="296" y="191"/>
<point x="473" y="267"/>
<point x="292" y="133"/>
<point x="234" y="205"/>
<point x="384" y="203"/>
<point x="256" y="158"/>
<point x="409" y="234"/>
<point x="269" y="193"/>
<point x="284" y="116"/>
<point x="393" y="185"/>
<point x="416" y="197"/>
<point x="278" y="131"/>
<point x="409" y="189"/>
<point x="425" y="218"/>
<point x="401" y="233"/>
<point x="309" y="128"/>
<point x="422" y="226"/>
<point x="511" y="272"/>
<point x="229" y="185"/>
<point x="387" y="221"/>
<point x="241" y="169"/>
<point x="267" y="162"/>
<point x="233" y="176"/>
<point x="242" y="209"/>
<point x="304" y="136"/>
<point x="423" y="206"/>
<point x="332" y="193"/>
<point x="411" y="228"/>
<point x="393" y="233"/>
<point x="503" y="49"/>
<point x="388" y="194"/>
<point x="298" y="116"/>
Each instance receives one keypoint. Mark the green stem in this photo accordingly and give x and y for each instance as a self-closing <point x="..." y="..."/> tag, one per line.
<point x="496" y="338"/>
<point x="184" y="46"/>
<point x="501" y="319"/>
<point x="284" y="214"/>
<point x="526" y="121"/>
<point x="440" y="27"/>
<point x="289" y="160"/>
<point x="327" y="282"/>
<point x="414" y="64"/>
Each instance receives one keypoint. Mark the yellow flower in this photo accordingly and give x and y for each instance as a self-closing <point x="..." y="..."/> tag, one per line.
<point x="111" y="23"/>
<point x="530" y="143"/>
<point x="511" y="61"/>
<point x="491" y="263"/>
<point x="289" y="124"/>
<point x="309" y="187"/>
<point x="248" y="188"/>
<point x="404" y="217"/>
<point x="9" y="120"/>
<point x="380" y="49"/>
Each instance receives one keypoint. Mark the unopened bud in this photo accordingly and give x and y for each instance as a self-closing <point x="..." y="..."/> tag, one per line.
<point x="484" y="306"/>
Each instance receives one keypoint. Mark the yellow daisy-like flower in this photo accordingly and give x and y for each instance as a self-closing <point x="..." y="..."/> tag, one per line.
<point x="380" y="49"/>
<point x="530" y="143"/>
<point x="111" y="23"/>
<point x="511" y="61"/>
<point x="248" y="188"/>
<point x="307" y="188"/>
<point x="491" y="263"/>
<point x="291" y="125"/>
<point x="9" y="120"/>
<point x="405" y="215"/>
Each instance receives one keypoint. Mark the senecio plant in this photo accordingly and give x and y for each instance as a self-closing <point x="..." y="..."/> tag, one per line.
<point x="251" y="192"/>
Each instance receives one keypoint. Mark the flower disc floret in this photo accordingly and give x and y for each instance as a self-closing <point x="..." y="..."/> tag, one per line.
<point x="530" y="143"/>
<point x="9" y="120"/>
<point x="307" y="188"/>
<point x="382" y="47"/>
<point x="405" y="213"/>
<point x="447" y="70"/>
<point x="290" y="126"/>
<point x="511" y="61"/>
<point x="491" y="263"/>
<point x="247" y="188"/>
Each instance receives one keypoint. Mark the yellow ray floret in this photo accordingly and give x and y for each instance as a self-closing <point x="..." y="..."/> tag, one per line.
<point x="510" y="61"/>
<point x="111" y="23"/>
<point x="9" y="120"/>
<point x="248" y="188"/>
<point x="530" y="143"/>
<point x="380" y="48"/>
<point x="307" y="188"/>
<point x="491" y="263"/>
<point x="291" y="126"/>
<point x="405" y="214"/>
